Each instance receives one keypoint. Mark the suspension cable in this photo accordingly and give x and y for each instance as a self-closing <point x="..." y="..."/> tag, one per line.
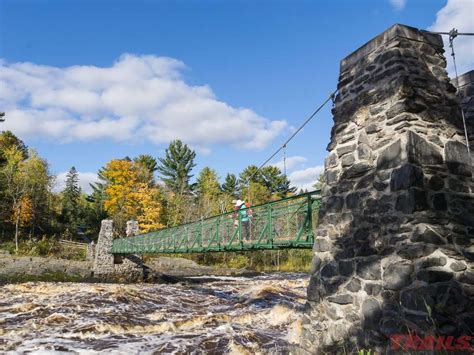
<point x="284" y="160"/>
<point x="452" y="35"/>
<point x="330" y="98"/>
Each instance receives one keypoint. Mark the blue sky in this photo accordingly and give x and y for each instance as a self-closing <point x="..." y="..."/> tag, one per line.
<point x="87" y="81"/>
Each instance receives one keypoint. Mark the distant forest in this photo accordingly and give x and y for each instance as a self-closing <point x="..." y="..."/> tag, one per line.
<point x="157" y="192"/>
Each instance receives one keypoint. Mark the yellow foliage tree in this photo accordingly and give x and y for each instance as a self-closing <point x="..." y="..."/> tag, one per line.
<point x="149" y="208"/>
<point x="24" y="212"/>
<point x="130" y="198"/>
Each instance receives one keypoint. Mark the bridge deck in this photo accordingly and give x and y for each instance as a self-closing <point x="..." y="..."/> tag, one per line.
<point x="286" y="223"/>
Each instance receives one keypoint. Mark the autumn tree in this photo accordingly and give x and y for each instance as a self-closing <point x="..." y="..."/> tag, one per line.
<point x="26" y="185"/>
<point x="129" y="198"/>
<point x="9" y="140"/>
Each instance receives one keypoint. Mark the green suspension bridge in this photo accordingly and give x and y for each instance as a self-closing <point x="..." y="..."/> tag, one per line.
<point x="286" y="223"/>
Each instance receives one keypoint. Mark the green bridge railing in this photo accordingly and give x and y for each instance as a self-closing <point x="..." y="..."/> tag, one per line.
<point x="286" y="223"/>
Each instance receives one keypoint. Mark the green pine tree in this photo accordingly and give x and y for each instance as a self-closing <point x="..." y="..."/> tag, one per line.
<point x="147" y="166"/>
<point x="175" y="168"/>
<point x="71" y="201"/>
<point x="231" y="185"/>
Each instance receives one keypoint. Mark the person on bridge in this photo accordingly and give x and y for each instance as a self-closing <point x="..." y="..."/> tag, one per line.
<point x="243" y="213"/>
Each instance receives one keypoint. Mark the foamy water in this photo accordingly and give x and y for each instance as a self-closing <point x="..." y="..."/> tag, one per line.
<point x="232" y="315"/>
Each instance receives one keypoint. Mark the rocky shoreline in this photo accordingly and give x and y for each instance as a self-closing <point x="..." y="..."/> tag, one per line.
<point x="14" y="269"/>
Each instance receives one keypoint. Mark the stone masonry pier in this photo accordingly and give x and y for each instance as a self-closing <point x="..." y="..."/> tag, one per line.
<point x="395" y="242"/>
<point x="108" y="266"/>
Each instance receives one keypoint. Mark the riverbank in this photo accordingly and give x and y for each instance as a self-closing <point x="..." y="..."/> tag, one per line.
<point x="17" y="269"/>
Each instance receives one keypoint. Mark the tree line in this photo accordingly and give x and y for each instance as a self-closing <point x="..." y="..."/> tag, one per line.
<point x="156" y="192"/>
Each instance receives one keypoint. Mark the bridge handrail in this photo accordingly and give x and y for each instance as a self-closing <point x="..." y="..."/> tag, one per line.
<point x="314" y="192"/>
<point x="167" y="235"/>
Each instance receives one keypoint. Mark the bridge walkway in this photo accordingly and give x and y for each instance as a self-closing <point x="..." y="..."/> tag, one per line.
<point x="285" y="223"/>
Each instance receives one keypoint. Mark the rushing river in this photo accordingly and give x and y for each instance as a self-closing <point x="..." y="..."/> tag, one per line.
<point x="233" y="315"/>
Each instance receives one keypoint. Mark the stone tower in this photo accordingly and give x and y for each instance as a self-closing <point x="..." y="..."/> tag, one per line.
<point x="395" y="243"/>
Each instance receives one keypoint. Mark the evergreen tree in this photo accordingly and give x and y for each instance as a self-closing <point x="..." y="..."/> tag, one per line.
<point x="230" y="185"/>
<point x="209" y="191"/>
<point x="147" y="167"/>
<point x="260" y="186"/>
<point x="147" y="161"/>
<point x="175" y="168"/>
<point x="276" y="181"/>
<point x="71" y="200"/>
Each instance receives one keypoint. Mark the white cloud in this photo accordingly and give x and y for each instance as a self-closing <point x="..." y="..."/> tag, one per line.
<point x="85" y="179"/>
<point x="137" y="98"/>
<point x="306" y="178"/>
<point x="457" y="14"/>
<point x="398" y="5"/>
<point x="291" y="163"/>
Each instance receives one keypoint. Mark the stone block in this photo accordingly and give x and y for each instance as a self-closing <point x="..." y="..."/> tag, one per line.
<point x="432" y="261"/>
<point x="372" y="289"/>
<point x="356" y="171"/>
<point x="346" y="268"/>
<point x="347" y="160"/>
<point x="369" y="269"/>
<point x="353" y="285"/>
<point x="432" y="276"/>
<point x="398" y="275"/>
<point x="364" y="152"/>
<point x="329" y="270"/>
<point x="345" y="149"/>
<point x="458" y="266"/>
<point x="406" y="176"/>
<point x="371" y="312"/>
<point x="391" y="156"/>
<point x="439" y="202"/>
<point x="331" y="161"/>
<point x="411" y="201"/>
<point x="340" y="299"/>
<point x="430" y="235"/>
<point x="421" y="152"/>
<point x="436" y="183"/>
<point x="457" y="158"/>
